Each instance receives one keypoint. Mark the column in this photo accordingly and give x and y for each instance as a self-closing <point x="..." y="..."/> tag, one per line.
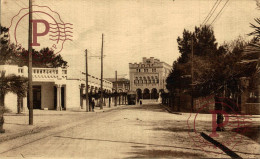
<point x="58" y="97"/>
<point x="81" y="94"/>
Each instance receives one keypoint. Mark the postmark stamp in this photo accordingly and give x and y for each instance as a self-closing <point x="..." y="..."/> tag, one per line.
<point x="224" y="123"/>
<point x="48" y="30"/>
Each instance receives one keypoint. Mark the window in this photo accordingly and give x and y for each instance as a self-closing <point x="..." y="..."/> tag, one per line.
<point x="253" y="97"/>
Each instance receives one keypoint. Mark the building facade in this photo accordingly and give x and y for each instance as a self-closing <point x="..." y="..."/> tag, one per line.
<point x="148" y="77"/>
<point x="54" y="88"/>
<point x="122" y="84"/>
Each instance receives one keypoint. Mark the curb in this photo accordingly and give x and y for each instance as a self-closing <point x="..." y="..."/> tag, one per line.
<point x="48" y="128"/>
<point x="169" y="110"/>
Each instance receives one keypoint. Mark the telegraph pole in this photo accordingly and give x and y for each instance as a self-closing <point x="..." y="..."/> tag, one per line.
<point x="101" y="95"/>
<point x="0" y="21"/>
<point x="0" y="18"/>
<point x="116" y="89"/>
<point x="30" y="66"/>
<point x="87" y="99"/>
<point x="192" y="76"/>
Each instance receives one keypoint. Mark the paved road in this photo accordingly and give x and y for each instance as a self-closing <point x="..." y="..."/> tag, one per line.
<point x="147" y="131"/>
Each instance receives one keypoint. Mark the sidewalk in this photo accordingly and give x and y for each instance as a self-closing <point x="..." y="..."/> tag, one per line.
<point x="16" y="125"/>
<point x="241" y="132"/>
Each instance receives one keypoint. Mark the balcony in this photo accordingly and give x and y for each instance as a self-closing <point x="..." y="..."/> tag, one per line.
<point x="44" y="73"/>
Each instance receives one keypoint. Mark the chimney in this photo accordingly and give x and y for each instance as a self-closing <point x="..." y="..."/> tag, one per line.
<point x="152" y="59"/>
<point x="144" y="59"/>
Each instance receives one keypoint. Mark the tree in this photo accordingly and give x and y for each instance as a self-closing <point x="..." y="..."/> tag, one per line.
<point x="7" y="51"/>
<point x="204" y="43"/>
<point x="43" y="58"/>
<point x="204" y="48"/>
<point x="257" y="28"/>
<point x="15" y="55"/>
<point x="19" y="56"/>
<point x="222" y="78"/>
<point x="217" y="69"/>
<point x="14" y="84"/>
<point x="10" y="83"/>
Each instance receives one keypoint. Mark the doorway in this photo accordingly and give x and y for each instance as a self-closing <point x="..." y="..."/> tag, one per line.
<point x="36" y="97"/>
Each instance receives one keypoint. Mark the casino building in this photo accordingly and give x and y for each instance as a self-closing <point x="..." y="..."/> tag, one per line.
<point x="148" y="77"/>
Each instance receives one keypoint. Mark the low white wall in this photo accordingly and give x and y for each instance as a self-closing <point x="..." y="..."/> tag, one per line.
<point x="11" y="102"/>
<point x="72" y="94"/>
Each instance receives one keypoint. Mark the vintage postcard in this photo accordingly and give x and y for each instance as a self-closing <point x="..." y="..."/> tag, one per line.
<point x="101" y="79"/>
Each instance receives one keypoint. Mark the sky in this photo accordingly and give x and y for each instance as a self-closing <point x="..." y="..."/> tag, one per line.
<point x="132" y="28"/>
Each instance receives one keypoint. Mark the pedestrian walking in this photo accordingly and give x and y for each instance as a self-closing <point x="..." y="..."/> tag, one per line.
<point x="93" y="105"/>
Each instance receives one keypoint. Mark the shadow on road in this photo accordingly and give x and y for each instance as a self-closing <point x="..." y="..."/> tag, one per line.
<point x="164" y="153"/>
<point x="250" y="132"/>
<point x="17" y="124"/>
<point x="174" y="129"/>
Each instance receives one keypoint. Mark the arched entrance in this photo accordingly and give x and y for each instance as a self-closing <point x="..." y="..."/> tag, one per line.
<point x="146" y="94"/>
<point x="154" y="94"/>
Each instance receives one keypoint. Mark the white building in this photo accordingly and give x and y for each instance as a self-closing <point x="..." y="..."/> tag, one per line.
<point x="148" y="77"/>
<point x="54" y="87"/>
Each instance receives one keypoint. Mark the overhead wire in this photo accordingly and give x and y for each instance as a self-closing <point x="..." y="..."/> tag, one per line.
<point x="210" y="12"/>
<point x="219" y="12"/>
<point x="213" y="12"/>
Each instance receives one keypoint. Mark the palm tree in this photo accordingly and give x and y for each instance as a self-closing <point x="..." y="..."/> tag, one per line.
<point x="14" y="84"/>
<point x="257" y="28"/>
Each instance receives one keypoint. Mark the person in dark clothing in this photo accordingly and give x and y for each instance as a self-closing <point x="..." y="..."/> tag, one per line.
<point x="220" y="119"/>
<point x="93" y="105"/>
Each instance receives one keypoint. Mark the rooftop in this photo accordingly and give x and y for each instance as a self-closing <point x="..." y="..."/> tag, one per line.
<point x="118" y="79"/>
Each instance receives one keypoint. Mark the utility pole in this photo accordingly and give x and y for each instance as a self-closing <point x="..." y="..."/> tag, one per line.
<point x="101" y="95"/>
<point x="116" y="89"/>
<point x="30" y="66"/>
<point x="0" y="18"/>
<point x="87" y="99"/>
<point x="192" y="102"/>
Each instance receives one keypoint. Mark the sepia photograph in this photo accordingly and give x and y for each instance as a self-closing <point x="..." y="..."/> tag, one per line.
<point x="122" y="79"/>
